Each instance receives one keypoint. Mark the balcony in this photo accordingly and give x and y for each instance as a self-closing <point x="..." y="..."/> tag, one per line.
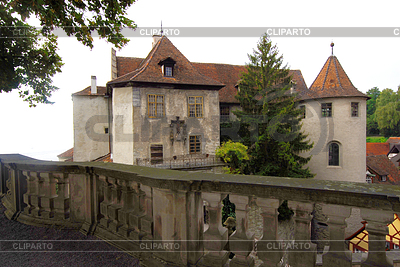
<point x="158" y="216"/>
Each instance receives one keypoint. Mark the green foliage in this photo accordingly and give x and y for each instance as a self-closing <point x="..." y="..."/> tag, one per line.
<point x="235" y="154"/>
<point x="270" y="120"/>
<point x="372" y="124"/>
<point x="376" y="139"/>
<point x="28" y="56"/>
<point x="388" y="112"/>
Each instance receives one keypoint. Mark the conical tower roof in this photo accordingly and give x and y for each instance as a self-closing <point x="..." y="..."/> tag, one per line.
<point x="332" y="81"/>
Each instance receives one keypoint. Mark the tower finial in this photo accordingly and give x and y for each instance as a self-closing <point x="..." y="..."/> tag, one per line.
<point x="161" y="29"/>
<point x="332" y="44"/>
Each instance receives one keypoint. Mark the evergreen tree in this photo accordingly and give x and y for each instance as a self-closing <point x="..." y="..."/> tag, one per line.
<point x="270" y="120"/>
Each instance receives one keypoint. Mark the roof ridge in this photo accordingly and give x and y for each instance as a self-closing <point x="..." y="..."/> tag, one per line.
<point x="337" y="73"/>
<point x="326" y="73"/>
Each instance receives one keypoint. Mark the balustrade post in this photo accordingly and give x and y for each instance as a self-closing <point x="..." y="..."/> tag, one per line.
<point x="377" y="228"/>
<point x="241" y="242"/>
<point x="31" y="191"/>
<point x="336" y="255"/>
<point x="135" y="218"/>
<point x="302" y="252"/>
<point x="61" y="201"/>
<point x="115" y="205"/>
<point x="48" y="195"/>
<point x="216" y="236"/>
<point x="105" y="221"/>
<point x="37" y="196"/>
<point x="268" y="248"/>
<point x="127" y="200"/>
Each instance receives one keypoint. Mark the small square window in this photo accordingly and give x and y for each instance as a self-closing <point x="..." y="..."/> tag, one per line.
<point x="354" y="109"/>
<point x="383" y="178"/>
<point x="168" y="71"/>
<point x="326" y="109"/>
<point x="106" y="130"/>
<point x="195" y="105"/>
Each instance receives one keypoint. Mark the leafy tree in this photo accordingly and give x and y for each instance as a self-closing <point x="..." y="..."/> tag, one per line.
<point x="28" y="57"/>
<point x="372" y="124"/>
<point x="235" y="154"/>
<point x="269" y="118"/>
<point x="388" y="112"/>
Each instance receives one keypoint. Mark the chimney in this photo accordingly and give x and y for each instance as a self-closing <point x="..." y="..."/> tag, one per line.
<point x="93" y="89"/>
<point x="156" y="38"/>
<point x="113" y="64"/>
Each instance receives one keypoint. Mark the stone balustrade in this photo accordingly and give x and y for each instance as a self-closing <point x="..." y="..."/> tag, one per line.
<point x="158" y="215"/>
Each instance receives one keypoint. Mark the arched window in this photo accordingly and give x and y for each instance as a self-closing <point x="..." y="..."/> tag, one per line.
<point x="333" y="154"/>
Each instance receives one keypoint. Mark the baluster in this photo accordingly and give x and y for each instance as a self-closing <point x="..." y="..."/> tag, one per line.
<point x="241" y="242"/>
<point x="127" y="207"/>
<point x="61" y="202"/>
<point x="268" y="248"/>
<point x="303" y="252"/>
<point x="37" y="196"/>
<point x="105" y="221"/>
<point x="147" y="220"/>
<point x="31" y="191"/>
<point x="115" y="204"/>
<point x="377" y="221"/>
<point x="135" y="218"/>
<point x="336" y="255"/>
<point x="49" y="193"/>
<point x="216" y="236"/>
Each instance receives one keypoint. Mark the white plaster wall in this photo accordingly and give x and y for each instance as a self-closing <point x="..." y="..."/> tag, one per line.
<point x="349" y="132"/>
<point x="90" y="119"/>
<point x="122" y="130"/>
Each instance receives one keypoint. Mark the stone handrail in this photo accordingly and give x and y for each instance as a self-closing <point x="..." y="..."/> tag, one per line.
<point x="158" y="215"/>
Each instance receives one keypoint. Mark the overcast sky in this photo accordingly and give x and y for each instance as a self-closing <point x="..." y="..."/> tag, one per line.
<point x="47" y="130"/>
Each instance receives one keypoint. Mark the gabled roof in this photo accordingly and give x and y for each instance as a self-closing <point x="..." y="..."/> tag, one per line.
<point x="149" y="70"/>
<point x="101" y="91"/>
<point x="375" y="149"/>
<point x="381" y="165"/>
<point x="332" y="81"/>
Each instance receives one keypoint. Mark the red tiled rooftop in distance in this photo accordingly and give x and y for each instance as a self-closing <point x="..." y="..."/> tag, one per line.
<point x="393" y="140"/>
<point x="101" y="90"/>
<point x="383" y="166"/>
<point x="375" y="149"/>
<point x="67" y="154"/>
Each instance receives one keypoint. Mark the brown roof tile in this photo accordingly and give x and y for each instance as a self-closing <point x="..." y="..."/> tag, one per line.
<point x="332" y="81"/>
<point x="67" y="154"/>
<point x="101" y="90"/>
<point x="149" y="70"/>
<point x="375" y="149"/>
<point x="393" y="140"/>
<point x="381" y="165"/>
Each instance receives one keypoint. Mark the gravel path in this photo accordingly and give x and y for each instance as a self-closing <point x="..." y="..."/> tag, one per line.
<point x="24" y="245"/>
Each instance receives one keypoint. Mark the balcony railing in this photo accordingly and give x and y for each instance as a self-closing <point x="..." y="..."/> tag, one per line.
<point x="158" y="215"/>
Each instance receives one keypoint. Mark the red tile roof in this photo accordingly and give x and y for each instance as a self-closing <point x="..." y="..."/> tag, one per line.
<point x="224" y="73"/>
<point x="105" y="158"/>
<point x="101" y="90"/>
<point x="381" y="165"/>
<point x="149" y="70"/>
<point x="67" y="154"/>
<point x="393" y="140"/>
<point x="332" y="81"/>
<point x="375" y="149"/>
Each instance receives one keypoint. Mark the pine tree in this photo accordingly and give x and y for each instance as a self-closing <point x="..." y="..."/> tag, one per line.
<point x="270" y="119"/>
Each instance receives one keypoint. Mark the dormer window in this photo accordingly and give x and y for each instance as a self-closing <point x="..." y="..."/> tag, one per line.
<point x="167" y="66"/>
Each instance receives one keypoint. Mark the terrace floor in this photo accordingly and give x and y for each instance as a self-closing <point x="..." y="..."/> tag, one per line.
<point x="25" y="245"/>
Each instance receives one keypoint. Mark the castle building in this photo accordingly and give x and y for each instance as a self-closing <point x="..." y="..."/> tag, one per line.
<point x="164" y="106"/>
